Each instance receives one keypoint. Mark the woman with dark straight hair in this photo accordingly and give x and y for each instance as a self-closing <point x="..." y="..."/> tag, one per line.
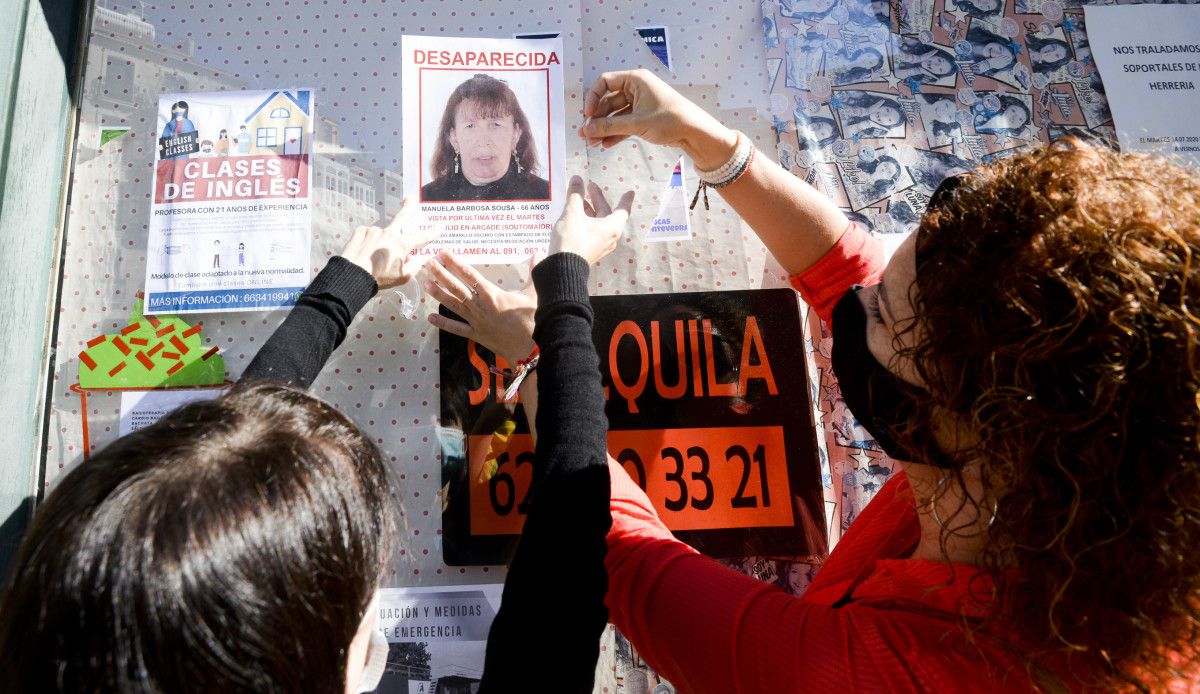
<point x="236" y="544"/>
<point x="239" y="544"/>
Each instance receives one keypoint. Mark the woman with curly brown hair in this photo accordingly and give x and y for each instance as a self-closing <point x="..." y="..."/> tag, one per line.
<point x="1033" y="352"/>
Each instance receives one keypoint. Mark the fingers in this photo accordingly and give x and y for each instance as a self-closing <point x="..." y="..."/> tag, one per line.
<point x="625" y="204"/>
<point x="452" y="326"/>
<point x="407" y="207"/>
<point x="447" y="288"/>
<point x="611" y="104"/>
<point x="604" y="85"/>
<point x="412" y="238"/>
<point x="575" y="193"/>
<point x="612" y="141"/>
<point x="469" y="276"/>
<point x="600" y="205"/>
<point x="621" y="125"/>
<point x="619" y="215"/>
<point x="422" y="236"/>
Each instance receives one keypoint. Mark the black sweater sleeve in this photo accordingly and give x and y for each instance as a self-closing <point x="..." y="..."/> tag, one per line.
<point x="553" y="606"/>
<point x="301" y="345"/>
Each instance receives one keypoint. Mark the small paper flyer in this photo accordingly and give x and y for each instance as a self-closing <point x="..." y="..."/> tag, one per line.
<point x="485" y="154"/>
<point x="437" y="637"/>
<point x="1149" y="59"/>
<point x="141" y="408"/>
<point x="230" y="216"/>
<point x="672" y="222"/>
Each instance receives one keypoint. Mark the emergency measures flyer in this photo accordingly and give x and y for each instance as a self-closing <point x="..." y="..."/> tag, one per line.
<point x="485" y="153"/>
<point x="230" y="216"/>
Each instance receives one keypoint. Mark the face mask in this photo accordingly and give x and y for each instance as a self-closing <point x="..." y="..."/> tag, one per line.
<point x="377" y="652"/>
<point x="877" y="397"/>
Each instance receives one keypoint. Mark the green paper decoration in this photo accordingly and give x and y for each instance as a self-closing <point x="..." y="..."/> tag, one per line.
<point x="151" y="352"/>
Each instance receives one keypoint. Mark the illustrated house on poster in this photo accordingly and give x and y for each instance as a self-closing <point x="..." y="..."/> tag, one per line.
<point x="280" y="122"/>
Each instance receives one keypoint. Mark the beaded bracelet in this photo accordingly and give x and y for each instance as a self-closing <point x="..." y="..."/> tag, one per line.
<point x="727" y="173"/>
<point x="524" y="368"/>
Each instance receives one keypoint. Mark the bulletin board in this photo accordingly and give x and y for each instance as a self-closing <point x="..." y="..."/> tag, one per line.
<point x="833" y="88"/>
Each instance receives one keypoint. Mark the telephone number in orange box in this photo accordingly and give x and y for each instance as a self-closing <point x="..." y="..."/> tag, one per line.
<point x="697" y="479"/>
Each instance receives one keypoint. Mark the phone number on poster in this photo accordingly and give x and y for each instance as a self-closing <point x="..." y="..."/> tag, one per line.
<point x="697" y="479"/>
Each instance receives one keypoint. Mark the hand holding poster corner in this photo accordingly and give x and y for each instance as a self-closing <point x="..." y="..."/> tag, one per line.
<point x="484" y="153"/>
<point x="1149" y="59"/>
<point x="230" y="216"/>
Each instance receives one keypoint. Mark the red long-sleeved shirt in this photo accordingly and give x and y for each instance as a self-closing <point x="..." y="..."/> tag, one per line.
<point x="873" y="620"/>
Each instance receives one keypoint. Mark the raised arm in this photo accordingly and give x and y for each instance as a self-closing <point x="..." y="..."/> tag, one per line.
<point x="797" y="223"/>
<point x="564" y="533"/>
<point x="374" y="258"/>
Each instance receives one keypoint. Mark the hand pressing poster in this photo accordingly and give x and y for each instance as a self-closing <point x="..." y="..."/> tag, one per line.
<point x="485" y="154"/>
<point x="1149" y="59"/>
<point x="230" y="216"/>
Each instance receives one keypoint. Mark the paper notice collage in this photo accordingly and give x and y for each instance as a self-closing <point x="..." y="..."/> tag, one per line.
<point x="875" y="102"/>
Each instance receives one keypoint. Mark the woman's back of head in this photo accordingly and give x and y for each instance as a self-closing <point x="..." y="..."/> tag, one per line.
<point x="1058" y="289"/>
<point x="232" y="546"/>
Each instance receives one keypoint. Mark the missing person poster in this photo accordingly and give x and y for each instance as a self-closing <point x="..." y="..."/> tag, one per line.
<point x="230" y="215"/>
<point x="1149" y="59"/>
<point x="436" y="637"/>
<point x="485" y="153"/>
<point x="708" y="410"/>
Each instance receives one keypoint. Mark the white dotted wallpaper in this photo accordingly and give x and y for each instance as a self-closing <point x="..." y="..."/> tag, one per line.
<point x="385" y="375"/>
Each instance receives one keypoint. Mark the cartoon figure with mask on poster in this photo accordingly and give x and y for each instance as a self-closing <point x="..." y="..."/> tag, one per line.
<point x="179" y="123"/>
<point x="177" y="126"/>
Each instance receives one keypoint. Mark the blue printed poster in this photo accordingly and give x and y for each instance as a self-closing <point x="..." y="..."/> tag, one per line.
<point x="230" y="215"/>
<point x="656" y="40"/>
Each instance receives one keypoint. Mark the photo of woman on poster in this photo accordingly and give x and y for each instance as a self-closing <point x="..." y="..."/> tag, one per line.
<point x="802" y="58"/>
<point x="1010" y="120"/>
<point x="853" y="67"/>
<point x="816" y="133"/>
<point x="1046" y="55"/>
<point x="901" y="217"/>
<point x="929" y="169"/>
<point x="869" y="13"/>
<point x="885" y="175"/>
<point x="987" y="9"/>
<point x="939" y="114"/>
<point x="869" y="114"/>
<point x="927" y="63"/>
<point x="812" y="10"/>
<point x="868" y="182"/>
<point x="992" y="55"/>
<point x="793" y="577"/>
<point x="485" y="147"/>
